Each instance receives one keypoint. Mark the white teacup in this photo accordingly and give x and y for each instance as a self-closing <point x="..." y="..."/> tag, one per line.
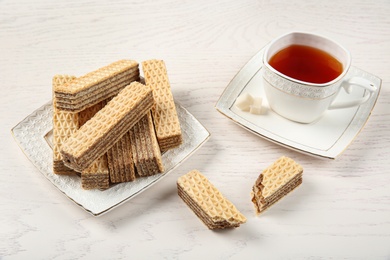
<point x="306" y="102"/>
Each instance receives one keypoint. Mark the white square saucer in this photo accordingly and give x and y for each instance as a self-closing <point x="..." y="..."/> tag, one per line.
<point x="328" y="137"/>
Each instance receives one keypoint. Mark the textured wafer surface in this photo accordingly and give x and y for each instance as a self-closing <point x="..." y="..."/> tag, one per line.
<point x="61" y="169"/>
<point x="275" y="182"/>
<point x="120" y="160"/>
<point x="109" y="88"/>
<point x="145" y="148"/>
<point x="94" y="97"/>
<point x="64" y="125"/>
<point x="88" y="113"/>
<point x="208" y="202"/>
<point x="278" y="174"/>
<point x="96" y="86"/>
<point x="165" y="117"/>
<point x="109" y="124"/>
<point x="96" y="176"/>
<point x="95" y="77"/>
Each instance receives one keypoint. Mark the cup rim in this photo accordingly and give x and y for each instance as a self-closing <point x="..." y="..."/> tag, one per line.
<point x="345" y="70"/>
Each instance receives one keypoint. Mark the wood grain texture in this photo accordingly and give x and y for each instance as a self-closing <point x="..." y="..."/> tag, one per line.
<point x="342" y="209"/>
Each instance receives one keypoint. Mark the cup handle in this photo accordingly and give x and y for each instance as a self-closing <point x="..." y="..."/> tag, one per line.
<point x="347" y="85"/>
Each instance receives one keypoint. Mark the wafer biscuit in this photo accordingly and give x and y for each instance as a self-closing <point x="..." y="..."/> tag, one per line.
<point x="275" y="182"/>
<point x="207" y="202"/>
<point x="96" y="86"/>
<point x="102" y="131"/>
<point x="164" y="113"/>
<point x="96" y="176"/>
<point x="92" y="97"/>
<point x="64" y="125"/>
<point x="145" y="149"/>
<point x="120" y="161"/>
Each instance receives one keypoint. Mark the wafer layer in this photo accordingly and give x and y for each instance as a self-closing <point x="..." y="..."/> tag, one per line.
<point x="96" y="176"/>
<point x="145" y="149"/>
<point x="275" y="182"/>
<point x="96" y="86"/>
<point x="120" y="160"/>
<point x="207" y="202"/>
<point x="64" y="125"/>
<point x="102" y="131"/>
<point x="164" y="113"/>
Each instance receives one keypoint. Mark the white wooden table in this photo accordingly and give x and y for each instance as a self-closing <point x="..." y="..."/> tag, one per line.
<point x="342" y="209"/>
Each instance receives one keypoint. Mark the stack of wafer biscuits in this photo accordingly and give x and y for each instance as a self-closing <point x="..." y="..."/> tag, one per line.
<point x="164" y="112"/>
<point x="275" y="182"/>
<point x="207" y="202"/>
<point x="103" y="129"/>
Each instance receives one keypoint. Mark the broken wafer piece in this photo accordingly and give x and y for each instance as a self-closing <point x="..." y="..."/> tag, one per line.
<point x="164" y="113"/>
<point x="96" y="86"/>
<point x="275" y="182"/>
<point x="145" y="149"/>
<point x="103" y="130"/>
<point x="207" y="202"/>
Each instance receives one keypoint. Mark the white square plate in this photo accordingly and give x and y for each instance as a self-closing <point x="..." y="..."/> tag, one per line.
<point x="328" y="137"/>
<point x="33" y="135"/>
